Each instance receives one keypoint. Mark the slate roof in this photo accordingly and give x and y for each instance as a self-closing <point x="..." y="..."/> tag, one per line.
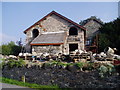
<point x="49" y="39"/>
<point x="59" y="15"/>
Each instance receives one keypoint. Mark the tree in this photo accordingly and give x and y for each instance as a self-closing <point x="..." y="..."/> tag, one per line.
<point x="10" y="48"/>
<point x="103" y="42"/>
<point x="5" y="50"/>
<point x="110" y="35"/>
<point x="16" y="50"/>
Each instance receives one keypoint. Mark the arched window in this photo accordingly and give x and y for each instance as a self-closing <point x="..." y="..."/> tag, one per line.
<point x="73" y="31"/>
<point x="35" y="33"/>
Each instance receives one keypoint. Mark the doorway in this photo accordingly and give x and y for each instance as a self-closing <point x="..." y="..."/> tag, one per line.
<point x="73" y="47"/>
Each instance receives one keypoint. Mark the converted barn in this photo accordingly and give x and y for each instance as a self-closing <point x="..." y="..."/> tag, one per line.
<point x="55" y="34"/>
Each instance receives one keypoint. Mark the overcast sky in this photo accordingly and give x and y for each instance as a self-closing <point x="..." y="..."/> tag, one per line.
<point x="18" y="16"/>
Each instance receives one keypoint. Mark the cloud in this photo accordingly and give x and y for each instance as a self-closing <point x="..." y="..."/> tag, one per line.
<point x="4" y="38"/>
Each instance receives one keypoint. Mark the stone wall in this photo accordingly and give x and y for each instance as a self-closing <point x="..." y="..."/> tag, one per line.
<point x="92" y="27"/>
<point x="77" y="39"/>
<point x="69" y="77"/>
<point x="54" y="23"/>
<point x="47" y="49"/>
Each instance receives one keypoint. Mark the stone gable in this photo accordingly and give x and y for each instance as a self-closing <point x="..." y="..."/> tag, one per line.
<point x="54" y="23"/>
<point x="92" y="27"/>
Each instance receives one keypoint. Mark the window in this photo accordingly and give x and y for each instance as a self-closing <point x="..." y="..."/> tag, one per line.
<point x="35" y="33"/>
<point x="73" y="31"/>
<point x="88" y="42"/>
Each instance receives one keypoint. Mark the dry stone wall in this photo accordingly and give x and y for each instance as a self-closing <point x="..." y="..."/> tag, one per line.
<point x="70" y="77"/>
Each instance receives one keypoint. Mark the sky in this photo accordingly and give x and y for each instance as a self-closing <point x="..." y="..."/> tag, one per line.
<point x="119" y="9"/>
<point x="18" y="16"/>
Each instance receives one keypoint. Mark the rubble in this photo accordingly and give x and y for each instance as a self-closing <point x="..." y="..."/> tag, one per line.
<point x="75" y="56"/>
<point x="12" y="56"/>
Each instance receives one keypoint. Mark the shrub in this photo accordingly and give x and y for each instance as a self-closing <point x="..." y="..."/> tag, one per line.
<point x="64" y="64"/>
<point x="111" y="68"/>
<point x="53" y="62"/>
<point x="80" y="64"/>
<point x="90" y="66"/>
<point x="18" y="63"/>
<point x="59" y="63"/>
<point x="106" y="69"/>
<point x="102" y="71"/>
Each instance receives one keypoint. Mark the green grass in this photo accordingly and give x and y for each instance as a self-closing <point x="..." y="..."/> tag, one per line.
<point x="30" y="85"/>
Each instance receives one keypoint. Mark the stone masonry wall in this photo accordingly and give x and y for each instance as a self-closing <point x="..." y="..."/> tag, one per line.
<point x="54" y="23"/>
<point x="69" y="77"/>
<point x="92" y="27"/>
<point x="51" y="24"/>
<point x="46" y="49"/>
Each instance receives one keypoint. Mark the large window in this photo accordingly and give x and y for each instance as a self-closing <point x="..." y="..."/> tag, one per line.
<point x="35" y="33"/>
<point x="73" y="31"/>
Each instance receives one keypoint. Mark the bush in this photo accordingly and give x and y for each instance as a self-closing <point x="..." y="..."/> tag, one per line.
<point x="106" y="69"/>
<point x="117" y="67"/>
<point x="59" y="63"/>
<point x="102" y="71"/>
<point x="18" y="63"/>
<point x="80" y="65"/>
<point x="2" y="63"/>
<point x="88" y="66"/>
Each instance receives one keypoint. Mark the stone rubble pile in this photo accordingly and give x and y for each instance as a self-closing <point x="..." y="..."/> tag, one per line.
<point x="76" y="55"/>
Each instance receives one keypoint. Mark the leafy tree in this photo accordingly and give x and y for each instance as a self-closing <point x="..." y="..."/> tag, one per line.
<point x="5" y="50"/>
<point x="10" y="48"/>
<point x="110" y="35"/>
<point x="16" y="50"/>
<point x="103" y="42"/>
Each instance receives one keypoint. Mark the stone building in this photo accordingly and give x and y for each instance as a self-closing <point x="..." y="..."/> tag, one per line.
<point x="54" y="33"/>
<point x="92" y="26"/>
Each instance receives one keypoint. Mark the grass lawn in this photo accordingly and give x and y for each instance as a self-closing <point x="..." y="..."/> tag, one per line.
<point x="30" y="85"/>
